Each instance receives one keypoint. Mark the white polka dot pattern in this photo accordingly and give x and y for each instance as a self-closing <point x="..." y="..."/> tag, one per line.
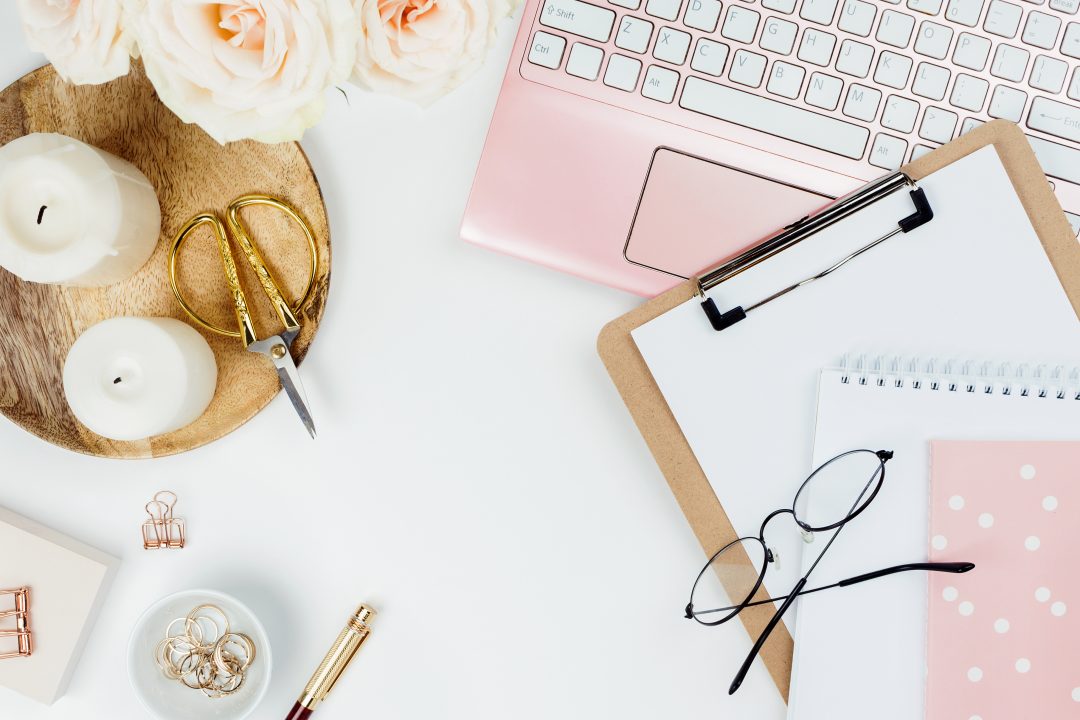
<point x="995" y="633"/>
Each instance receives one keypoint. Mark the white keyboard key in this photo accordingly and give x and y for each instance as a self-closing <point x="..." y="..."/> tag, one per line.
<point x="1056" y="159"/>
<point x="634" y="34"/>
<point x="666" y="9"/>
<point x="893" y="70"/>
<point x="774" y="117"/>
<point x="784" y="6"/>
<point x="969" y="124"/>
<point x="819" y="11"/>
<point x="1074" y="86"/>
<point x="1070" y="45"/>
<point x="969" y="92"/>
<point x="887" y="152"/>
<point x="823" y="91"/>
<point x="702" y="15"/>
<point x="660" y="84"/>
<point x="584" y="61"/>
<point x="1048" y="74"/>
<point x="854" y="58"/>
<point x="931" y="81"/>
<point x="785" y="80"/>
<point x="628" y="4"/>
<point x="546" y="50"/>
<point x="895" y="28"/>
<point x="971" y="51"/>
<point x="1007" y="102"/>
<point x="747" y="68"/>
<point x="919" y="150"/>
<point x="933" y="40"/>
<point x="578" y="18"/>
<point x="965" y="12"/>
<point x="857" y="17"/>
<point x="816" y="47"/>
<point x="900" y="114"/>
<point x="671" y="46"/>
<point x="938" y="125"/>
<point x="1054" y="118"/>
<point x="778" y="36"/>
<point x="862" y="102"/>
<point x="1066" y="6"/>
<point x="930" y="7"/>
<point x="1041" y="30"/>
<point x="740" y="24"/>
<point x="1003" y="18"/>
<point x="1010" y="63"/>
<point x="709" y="57"/>
<point x="622" y="72"/>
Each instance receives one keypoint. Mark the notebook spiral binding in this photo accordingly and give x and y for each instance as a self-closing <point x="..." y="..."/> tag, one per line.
<point x="1058" y="382"/>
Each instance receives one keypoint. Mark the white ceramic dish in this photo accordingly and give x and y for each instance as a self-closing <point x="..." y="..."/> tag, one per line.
<point x="167" y="699"/>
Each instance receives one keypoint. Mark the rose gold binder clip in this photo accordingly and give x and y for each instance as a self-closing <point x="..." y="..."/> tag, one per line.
<point x="162" y="530"/>
<point x="24" y="641"/>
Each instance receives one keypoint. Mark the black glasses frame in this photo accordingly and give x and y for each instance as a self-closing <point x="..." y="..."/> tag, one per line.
<point x="873" y="486"/>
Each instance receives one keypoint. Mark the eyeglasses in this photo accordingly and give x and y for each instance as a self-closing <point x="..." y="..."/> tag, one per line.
<point x="833" y="495"/>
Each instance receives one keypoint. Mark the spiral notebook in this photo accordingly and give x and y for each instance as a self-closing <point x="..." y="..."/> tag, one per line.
<point x="858" y="645"/>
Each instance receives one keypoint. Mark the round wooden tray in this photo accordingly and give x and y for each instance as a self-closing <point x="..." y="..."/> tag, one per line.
<point x="192" y="174"/>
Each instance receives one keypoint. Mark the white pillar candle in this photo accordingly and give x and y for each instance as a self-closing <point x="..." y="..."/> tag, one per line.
<point x="131" y="378"/>
<point x="71" y="214"/>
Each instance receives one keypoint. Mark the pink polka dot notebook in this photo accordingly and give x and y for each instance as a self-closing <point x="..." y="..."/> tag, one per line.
<point x="1004" y="639"/>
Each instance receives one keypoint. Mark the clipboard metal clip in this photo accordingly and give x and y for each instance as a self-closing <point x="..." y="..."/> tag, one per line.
<point x="805" y="228"/>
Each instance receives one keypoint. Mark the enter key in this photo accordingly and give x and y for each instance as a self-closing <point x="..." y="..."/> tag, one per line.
<point x="1055" y="118"/>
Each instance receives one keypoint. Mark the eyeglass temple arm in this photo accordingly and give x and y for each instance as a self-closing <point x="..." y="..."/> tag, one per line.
<point x="951" y="567"/>
<point x="741" y="675"/>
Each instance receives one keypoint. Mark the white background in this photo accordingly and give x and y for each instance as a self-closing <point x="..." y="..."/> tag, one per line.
<point x="476" y="476"/>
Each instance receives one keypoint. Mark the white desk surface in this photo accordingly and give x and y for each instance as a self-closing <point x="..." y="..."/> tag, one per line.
<point x="476" y="476"/>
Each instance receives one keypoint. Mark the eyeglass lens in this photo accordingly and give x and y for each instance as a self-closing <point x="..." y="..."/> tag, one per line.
<point x="838" y="490"/>
<point x="731" y="578"/>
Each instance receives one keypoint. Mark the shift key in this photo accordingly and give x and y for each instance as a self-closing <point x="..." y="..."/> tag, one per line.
<point x="579" y="18"/>
<point x="1055" y="118"/>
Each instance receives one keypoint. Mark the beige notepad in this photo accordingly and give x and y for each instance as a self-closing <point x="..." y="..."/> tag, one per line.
<point x="68" y="581"/>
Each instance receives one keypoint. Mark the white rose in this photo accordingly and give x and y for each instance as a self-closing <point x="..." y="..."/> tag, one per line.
<point x="83" y="39"/>
<point x="422" y="49"/>
<point x="246" y="68"/>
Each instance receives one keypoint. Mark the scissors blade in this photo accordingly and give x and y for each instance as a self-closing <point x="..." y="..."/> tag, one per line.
<point x="277" y="350"/>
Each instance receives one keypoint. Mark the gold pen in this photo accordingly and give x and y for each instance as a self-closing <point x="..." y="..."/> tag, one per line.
<point x="335" y="662"/>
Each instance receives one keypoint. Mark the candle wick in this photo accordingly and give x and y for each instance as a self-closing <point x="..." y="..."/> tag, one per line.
<point x="116" y="381"/>
<point x="41" y="213"/>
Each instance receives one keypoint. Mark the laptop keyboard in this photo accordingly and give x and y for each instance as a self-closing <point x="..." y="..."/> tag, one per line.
<point x="875" y="82"/>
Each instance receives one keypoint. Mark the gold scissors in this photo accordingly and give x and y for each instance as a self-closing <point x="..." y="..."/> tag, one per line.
<point x="276" y="347"/>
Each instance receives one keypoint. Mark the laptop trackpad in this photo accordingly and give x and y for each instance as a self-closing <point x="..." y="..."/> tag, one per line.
<point x="695" y="213"/>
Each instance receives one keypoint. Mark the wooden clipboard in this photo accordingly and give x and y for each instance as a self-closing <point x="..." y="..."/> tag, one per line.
<point x="661" y="431"/>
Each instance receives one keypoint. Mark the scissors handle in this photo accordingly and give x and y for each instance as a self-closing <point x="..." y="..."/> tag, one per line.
<point x="240" y="306"/>
<point x="267" y="281"/>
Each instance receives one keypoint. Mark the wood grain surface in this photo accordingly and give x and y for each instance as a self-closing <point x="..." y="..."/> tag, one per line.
<point x="192" y="174"/>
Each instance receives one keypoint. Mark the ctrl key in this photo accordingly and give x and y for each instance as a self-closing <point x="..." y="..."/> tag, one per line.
<point x="547" y="50"/>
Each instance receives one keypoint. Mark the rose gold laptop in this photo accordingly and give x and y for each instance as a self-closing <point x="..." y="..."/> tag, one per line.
<point x="637" y="142"/>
